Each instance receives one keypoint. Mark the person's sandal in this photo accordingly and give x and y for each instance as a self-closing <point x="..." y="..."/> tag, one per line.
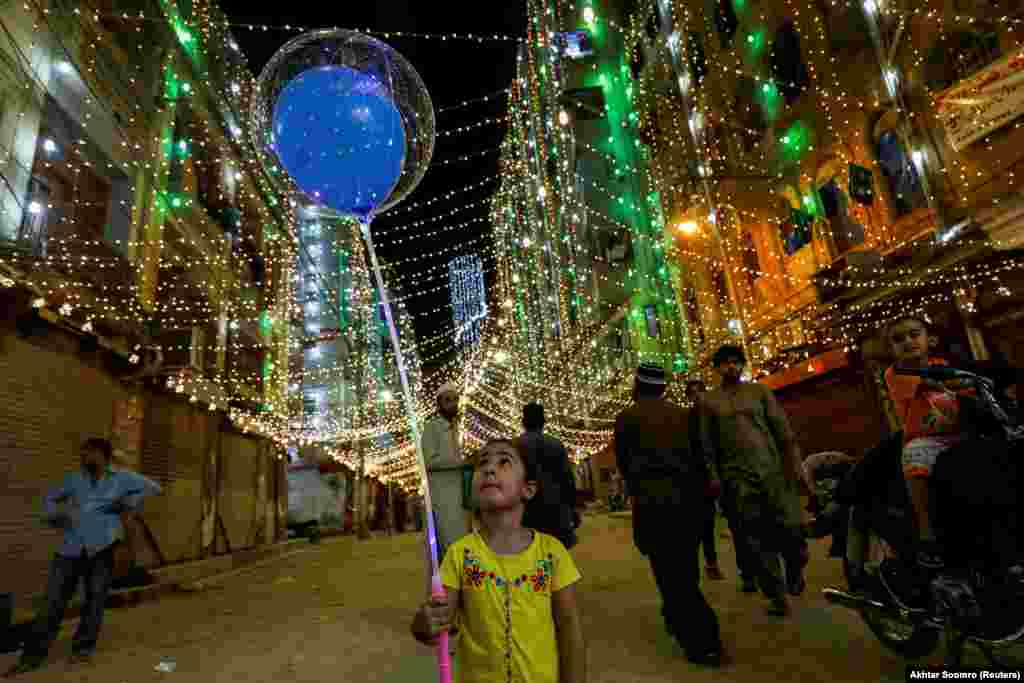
<point x="81" y="658"/>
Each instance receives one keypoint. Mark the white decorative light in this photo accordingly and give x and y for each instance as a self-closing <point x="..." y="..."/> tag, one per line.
<point x="918" y="156"/>
<point x="87" y="327"/>
<point x="35" y="208"/>
<point x="563" y="117"/>
<point x="66" y="309"/>
<point x="49" y="145"/>
<point x="235" y="88"/>
<point x="134" y="359"/>
<point x="588" y="15"/>
<point x="684" y="83"/>
<point x="696" y="122"/>
<point x="38" y="302"/>
<point x="892" y="80"/>
<point x="65" y="67"/>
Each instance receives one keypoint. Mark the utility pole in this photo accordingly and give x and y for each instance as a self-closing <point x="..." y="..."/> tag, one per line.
<point x="362" y="528"/>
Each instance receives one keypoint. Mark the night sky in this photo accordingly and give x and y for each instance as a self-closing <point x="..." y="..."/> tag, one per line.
<point x="454" y="71"/>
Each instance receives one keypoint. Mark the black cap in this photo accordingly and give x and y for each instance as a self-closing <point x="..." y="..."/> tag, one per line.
<point x="649" y="373"/>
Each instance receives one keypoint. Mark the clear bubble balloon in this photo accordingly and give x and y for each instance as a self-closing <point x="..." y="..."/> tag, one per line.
<point x="348" y="120"/>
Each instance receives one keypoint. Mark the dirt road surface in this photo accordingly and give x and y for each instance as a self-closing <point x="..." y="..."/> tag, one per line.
<point x="340" y="612"/>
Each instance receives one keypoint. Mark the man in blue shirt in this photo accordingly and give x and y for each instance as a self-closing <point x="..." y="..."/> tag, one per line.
<point x="88" y="505"/>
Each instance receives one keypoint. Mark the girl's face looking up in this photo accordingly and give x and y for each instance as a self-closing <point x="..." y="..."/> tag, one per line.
<point x="499" y="479"/>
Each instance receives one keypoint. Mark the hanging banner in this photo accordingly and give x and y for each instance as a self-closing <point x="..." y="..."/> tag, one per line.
<point x="982" y="103"/>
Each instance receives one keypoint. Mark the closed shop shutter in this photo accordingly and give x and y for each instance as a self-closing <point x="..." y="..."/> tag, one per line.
<point x="51" y="399"/>
<point x="833" y="413"/>
<point x="175" y="436"/>
<point x="240" y="505"/>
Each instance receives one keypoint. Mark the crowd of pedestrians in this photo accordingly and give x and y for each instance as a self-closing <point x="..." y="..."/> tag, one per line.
<point x="733" y="448"/>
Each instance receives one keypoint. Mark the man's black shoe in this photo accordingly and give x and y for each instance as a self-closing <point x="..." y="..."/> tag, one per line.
<point x="749" y="586"/>
<point x="711" y="658"/>
<point x="25" y="666"/>
<point x="778" y="607"/>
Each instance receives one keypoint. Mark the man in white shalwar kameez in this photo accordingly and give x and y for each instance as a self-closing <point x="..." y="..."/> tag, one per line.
<point x="442" y="451"/>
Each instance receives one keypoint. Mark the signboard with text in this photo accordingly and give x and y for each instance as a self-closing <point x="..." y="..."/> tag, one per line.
<point x="983" y="103"/>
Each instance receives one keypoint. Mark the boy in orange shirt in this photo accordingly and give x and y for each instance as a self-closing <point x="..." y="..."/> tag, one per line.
<point x="929" y="414"/>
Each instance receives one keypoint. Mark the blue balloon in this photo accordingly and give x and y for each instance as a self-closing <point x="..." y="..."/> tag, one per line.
<point x="340" y="137"/>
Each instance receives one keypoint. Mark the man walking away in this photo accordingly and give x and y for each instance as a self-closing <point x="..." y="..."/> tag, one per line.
<point x="667" y="475"/>
<point x="88" y="505"/>
<point x="553" y="510"/>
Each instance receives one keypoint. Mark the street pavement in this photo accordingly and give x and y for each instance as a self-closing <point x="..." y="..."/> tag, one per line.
<point x="340" y="611"/>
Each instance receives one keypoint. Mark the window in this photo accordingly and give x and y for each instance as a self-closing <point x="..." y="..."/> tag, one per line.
<point x="575" y="44"/>
<point x="720" y="284"/>
<point x="652" y="27"/>
<point x="726" y="23"/>
<point x="93" y="202"/>
<point x="698" y="60"/>
<point x="33" y="231"/>
<point x="587" y="103"/>
<point x="796" y="230"/>
<point x="749" y="255"/>
<point x="787" y="64"/>
<point x="693" y="317"/>
<point x="636" y="63"/>
<point x="959" y="56"/>
<point x="846" y="232"/>
<point x="905" y="191"/>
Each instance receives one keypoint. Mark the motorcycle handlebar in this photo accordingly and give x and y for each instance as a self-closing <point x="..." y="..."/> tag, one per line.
<point x="938" y="373"/>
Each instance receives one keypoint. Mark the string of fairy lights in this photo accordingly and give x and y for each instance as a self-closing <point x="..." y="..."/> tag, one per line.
<point x="708" y="261"/>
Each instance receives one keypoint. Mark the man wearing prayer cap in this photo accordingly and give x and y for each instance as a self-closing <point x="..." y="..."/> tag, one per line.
<point x="661" y="458"/>
<point x="442" y="450"/>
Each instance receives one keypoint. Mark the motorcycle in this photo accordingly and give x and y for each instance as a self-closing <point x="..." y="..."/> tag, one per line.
<point x="977" y="514"/>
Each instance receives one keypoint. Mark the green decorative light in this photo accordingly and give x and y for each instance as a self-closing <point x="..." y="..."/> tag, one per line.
<point x="756" y="42"/>
<point x="796" y="140"/>
<point x="770" y="99"/>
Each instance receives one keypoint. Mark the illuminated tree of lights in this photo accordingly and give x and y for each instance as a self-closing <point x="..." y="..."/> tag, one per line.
<point x="468" y="298"/>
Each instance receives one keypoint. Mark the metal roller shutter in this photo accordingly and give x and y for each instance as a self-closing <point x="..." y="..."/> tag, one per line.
<point x="239" y="504"/>
<point x="175" y="436"/>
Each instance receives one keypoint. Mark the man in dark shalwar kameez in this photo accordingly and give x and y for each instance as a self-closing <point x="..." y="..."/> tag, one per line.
<point x="660" y="457"/>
